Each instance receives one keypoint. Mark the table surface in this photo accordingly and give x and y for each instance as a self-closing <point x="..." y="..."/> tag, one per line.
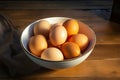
<point x="104" y="61"/>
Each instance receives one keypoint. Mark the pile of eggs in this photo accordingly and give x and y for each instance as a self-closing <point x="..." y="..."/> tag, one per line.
<point x="58" y="41"/>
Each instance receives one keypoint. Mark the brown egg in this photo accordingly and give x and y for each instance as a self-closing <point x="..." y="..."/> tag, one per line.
<point x="52" y="54"/>
<point x="80" y="39"/>
<point x="42" y="27"/>
<point x="55" y="25"/>
<point x="37" y="44"/>
<point x="58" y="35"/>
<point x="70" y="50"/>
<point x="71" y="26"/>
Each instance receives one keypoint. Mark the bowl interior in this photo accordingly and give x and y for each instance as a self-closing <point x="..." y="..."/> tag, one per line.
<point x="28" y="31"/>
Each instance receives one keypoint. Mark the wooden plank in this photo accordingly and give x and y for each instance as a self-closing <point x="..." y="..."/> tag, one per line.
<point x="71" y="4"/>
<point x="71" y="78"/>
<point x="101" y="53"/>
<point x="106" y="32"/>
<point x="89" y="68"/>
<point x="22" y="17"/>
<point x="25" y="15"/>
<point x="105" y="52"/>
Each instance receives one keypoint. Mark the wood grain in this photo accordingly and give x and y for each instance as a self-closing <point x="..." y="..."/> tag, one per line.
<point x="89" y="68"/>
<point x="106" y="32"/>
<point x="102" y="64"/>
<point x="105" y="52"/>
<point x="57" y="4"/>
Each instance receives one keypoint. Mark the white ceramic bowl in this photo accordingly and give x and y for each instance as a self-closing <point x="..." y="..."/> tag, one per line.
<point x="26" y="34"/>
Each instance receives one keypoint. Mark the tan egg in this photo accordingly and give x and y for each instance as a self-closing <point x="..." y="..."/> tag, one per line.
<point x="37" y="44"/>
<point x="55" y="25"/>
<point x="58" y="36"/>
<point x="80" y="39"/>
<point x="42" y="27"/>
<point x="70" y="50"/>
<point x="71" y="26"/>
<point x="52" y="54"/>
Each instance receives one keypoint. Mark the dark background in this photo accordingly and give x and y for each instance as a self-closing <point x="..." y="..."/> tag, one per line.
<point x="100" y="7"/>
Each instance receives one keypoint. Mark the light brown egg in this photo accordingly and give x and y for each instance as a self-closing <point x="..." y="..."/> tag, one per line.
<point x="37" y="44"/>
<point x="58" y="35"/>
<point x="42" y="27"/>
<point x="71" y="26"/>
<point x="80" y="39"/>
<point x="52" y="54"/>
<point x="70" y="50"/>
<point x="55" y="25"/>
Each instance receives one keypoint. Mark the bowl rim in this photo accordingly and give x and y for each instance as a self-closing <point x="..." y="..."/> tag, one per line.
<point x="66" y="60"/>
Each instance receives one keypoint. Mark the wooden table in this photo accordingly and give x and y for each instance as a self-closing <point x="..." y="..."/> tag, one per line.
<point x="104" y="62"/>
